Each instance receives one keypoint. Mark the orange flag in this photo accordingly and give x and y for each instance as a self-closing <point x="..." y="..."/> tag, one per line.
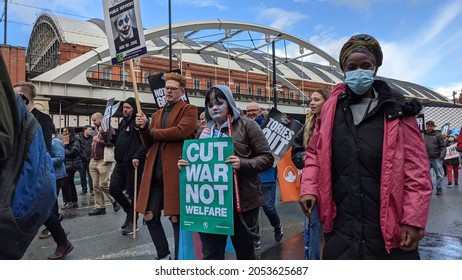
<point x="289" y="178"/>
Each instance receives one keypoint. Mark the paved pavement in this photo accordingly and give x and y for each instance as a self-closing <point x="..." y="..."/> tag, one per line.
<point x="99" y="237"/>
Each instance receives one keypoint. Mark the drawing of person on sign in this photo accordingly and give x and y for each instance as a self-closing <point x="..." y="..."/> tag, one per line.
<point x="124" y="25"/>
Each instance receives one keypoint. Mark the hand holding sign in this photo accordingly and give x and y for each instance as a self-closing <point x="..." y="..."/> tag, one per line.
<point x="141" y="120"/>
<point x="235" y="161"/>
<point x="182" y="162"/>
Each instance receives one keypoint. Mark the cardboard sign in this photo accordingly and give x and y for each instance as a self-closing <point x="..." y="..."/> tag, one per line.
<point x="280" y="132"/>
<point x="110" y="110"/>
<point x="451" y="152"/>
<point x="206" y="186"/>
<point x="421" y="122"/>
<point x="157" y="85"/>
<point x="445" y="128"/>
<point x="124" y="29"/>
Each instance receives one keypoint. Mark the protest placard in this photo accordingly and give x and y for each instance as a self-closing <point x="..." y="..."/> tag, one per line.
<point x="124" y="29"/>
<point x="110" y="110"/>
<point x="280" y="132"/>
<point x="157" y="85"/>
<point x="206" y="186"/>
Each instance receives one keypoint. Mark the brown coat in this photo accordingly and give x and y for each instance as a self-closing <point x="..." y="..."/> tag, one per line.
<point x="181" y="125"/>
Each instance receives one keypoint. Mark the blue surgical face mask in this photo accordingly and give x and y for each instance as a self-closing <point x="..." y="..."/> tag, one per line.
<point x="359" y="80"/>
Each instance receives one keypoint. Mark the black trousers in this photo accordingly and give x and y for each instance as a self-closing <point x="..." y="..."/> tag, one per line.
<point x="123" y="178"/>
<point x="156" y="230"/>
<point x="69" y="191"/>
<point x="214" y="245"/>
<point x="53" y="224"/>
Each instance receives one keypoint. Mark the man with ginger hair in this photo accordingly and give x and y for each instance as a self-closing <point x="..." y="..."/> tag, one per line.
<point x="164" y="137"/>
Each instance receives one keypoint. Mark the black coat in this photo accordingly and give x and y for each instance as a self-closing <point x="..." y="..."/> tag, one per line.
<point x="128" y="144"/>
<point x="47" y="126"/>
<point x="72" y="152"/>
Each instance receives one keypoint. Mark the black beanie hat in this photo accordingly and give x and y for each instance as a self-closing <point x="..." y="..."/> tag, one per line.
<point x="132" y="103"/>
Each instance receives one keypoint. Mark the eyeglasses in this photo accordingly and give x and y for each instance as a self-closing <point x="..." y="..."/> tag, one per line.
<point x="171" y="88"/>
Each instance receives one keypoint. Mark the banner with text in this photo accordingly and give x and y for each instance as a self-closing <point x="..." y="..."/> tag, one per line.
<point x="124" y="29"/>
<point x="157" y="85"/>
<point x="280" y="132"/>
<point x="421" y="122"/>
<point x="110" y="110"/>
<point x="445" y="128"/>
<point x="451" y="152"/>
<point x="206" y="192"/>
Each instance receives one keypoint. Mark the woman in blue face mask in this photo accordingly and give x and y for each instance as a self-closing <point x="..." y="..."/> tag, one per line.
<point x="366" y="165"/>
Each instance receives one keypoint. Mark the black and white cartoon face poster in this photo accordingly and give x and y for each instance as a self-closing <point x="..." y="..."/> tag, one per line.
<point x="125" y="34"/>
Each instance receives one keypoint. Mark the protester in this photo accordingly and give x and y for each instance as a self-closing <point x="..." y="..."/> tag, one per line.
<point x="201" y="123"/>
<point x="436" y="150"/>
<point x="28" y="91"/>
<point x="129" y="154"/>
<point x="366" y="164"/>
<point x="72" y="151"/>
<point x="299" y="147"/>
<point x="86" y="139"/>
<point x="268" y="185"/>
<point x="164" y="136"/>
<point x="99" y="169"/>
<point x="64" y="246"/>
<point x="253" y="155"/>
<point x="452" y="163"/>
<point x="53" y="223"/>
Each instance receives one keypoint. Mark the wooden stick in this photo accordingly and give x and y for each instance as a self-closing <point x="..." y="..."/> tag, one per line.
<point x="134" y="201"/>
<point x="236" y="184"/>
<point x="135" y="87"/>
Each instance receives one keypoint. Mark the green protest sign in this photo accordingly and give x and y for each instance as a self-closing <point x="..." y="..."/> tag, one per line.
<point x="206" y="186"/>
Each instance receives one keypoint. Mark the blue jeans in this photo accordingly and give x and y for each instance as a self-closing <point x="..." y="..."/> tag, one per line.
<point x="314" y="233"/>
<point x="269" y="196"/>
<point x="437" y="165"/>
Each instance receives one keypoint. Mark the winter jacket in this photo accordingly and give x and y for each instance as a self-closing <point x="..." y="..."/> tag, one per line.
<point x="47" y="126"/>
<point x="72" y="152"/>
<point x="436" y="148"/>
<point x="298" y="149"/>
<point x="404" y="187"/>
<point x="252" y="148"/>
<point x="58" y="158"/>
<point x="128" y="144"/>
<point x="86" y="145"/>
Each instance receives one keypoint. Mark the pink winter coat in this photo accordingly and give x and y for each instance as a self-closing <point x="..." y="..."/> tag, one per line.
<point x="405" y="187"/>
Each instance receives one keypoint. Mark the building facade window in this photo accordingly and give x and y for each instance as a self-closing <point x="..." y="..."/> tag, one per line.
<point x="124" y="76"/>
<point x="249" y="90"/>
<point x="291" y="95"/>
<point x="145" y="78"/>
<point x="259" y="91"/>
<point x="197" y="84"/>
<point x="107" y="73"/>
<point x="209" y="84"/>
<point x="238" y="89"/>
<point x="282" y="94"/>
